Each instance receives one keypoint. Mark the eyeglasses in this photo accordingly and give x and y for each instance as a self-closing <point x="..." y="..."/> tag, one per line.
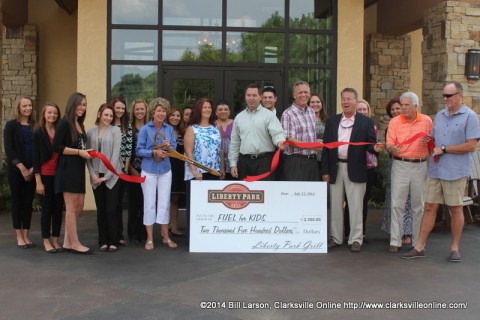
<point x="449" y="95"/>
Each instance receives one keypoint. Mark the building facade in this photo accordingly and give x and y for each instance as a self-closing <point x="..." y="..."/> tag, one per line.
<point x="186" y="49"/>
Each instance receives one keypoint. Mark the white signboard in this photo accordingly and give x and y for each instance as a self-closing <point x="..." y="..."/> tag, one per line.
<point x="263" y="216"/>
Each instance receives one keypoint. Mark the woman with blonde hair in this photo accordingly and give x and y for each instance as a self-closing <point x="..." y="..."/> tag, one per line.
<point x="363" y="107"/>
<point x="156" y="169"/>
<point x="18" y="143"/>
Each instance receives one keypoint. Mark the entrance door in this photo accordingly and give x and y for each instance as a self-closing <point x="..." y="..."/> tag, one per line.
<point x="237" y="80"/>
<point x="182" y="86"/>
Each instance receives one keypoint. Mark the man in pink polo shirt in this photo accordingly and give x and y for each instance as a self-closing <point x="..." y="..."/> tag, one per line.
<point x="409" y="166"/>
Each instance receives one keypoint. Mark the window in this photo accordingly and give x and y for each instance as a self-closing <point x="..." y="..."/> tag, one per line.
<point x="295" y="37"/>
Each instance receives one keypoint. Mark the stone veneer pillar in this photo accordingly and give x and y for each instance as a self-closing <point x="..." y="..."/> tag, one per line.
<point x="388" y="74"/>
<point x="449" y="29"/>
<point x="1" y="91"/>
<point x="19" y="66"/>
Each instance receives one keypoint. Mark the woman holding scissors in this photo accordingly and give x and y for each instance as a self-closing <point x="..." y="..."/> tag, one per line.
<point x="156" y="169"/>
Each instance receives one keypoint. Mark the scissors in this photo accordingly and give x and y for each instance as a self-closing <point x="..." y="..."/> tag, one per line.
<point x="172" y="153"/>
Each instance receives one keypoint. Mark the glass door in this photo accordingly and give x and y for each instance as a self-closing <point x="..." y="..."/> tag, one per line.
<point x="182" y="87"/>
<point x="237" y="80"/>
<point x="185" y="85"/>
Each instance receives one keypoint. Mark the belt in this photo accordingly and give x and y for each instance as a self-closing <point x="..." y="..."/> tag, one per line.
<point x="304" y="156"/>
<point x="257" y="156"/>
<point x="342" y="160"/>
<point x="409" y="159"/>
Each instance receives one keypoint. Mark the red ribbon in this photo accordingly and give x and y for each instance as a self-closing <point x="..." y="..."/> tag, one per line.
<point x="331" y="145"/>
<point x="106" y="162"/>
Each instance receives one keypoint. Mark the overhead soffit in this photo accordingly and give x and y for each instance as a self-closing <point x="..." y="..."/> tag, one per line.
<point x="68" y="5"/>
<point x="399" y="17"/>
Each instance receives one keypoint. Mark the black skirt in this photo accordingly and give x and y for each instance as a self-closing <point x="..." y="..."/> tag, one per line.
<point x="70" y="174"/>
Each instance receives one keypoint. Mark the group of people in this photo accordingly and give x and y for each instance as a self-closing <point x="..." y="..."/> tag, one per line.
<point x="54" y="156"/>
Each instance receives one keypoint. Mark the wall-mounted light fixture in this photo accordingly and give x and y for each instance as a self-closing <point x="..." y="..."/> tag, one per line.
<point x="472" y="65"/>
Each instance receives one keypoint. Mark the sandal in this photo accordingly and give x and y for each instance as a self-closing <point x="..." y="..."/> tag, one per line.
<point x="169" y="243"/>
<point x="406" y="239"/>
<point x="103" y="248"/>
<point x="112" y="248"/>
<point x="149" y="246"/>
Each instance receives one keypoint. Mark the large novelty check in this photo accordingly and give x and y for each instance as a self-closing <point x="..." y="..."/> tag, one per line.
<point x="262" y="216"/>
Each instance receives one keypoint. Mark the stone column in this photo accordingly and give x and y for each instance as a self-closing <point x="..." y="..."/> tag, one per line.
<point x="19" y="66"/>
<point x="449" y="29"/>
<point x="1" y="91"/>
<point x="388" y="74"/>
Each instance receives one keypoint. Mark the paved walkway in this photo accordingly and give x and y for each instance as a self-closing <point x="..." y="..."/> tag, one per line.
<point x="172" y="284"/>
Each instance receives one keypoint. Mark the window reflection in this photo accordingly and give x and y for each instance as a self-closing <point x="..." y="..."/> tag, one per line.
<point x="256" y="14"/>
<point x="320" y="81"/>
<point x="134" y="82"/>
<point x="192" y="13"/>
<point x="310" y="48"/>
<point x="134" y="44"/>
<point x="311" y="14"/>
<point x="197" y="31"/>
<point x="135" y="12"/>
<point x="187" y="91"/>
<point x="192" y="46"/>
<point x="257" y="47"/>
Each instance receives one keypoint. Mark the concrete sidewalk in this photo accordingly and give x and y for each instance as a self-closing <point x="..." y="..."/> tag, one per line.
<point x="172" y="284"/>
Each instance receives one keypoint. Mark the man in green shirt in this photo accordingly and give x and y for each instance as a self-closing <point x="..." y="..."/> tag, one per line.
<point x="255" y="137"/>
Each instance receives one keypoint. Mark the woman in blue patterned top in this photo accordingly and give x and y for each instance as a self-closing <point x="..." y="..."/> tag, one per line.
<point x="203" y="142"/>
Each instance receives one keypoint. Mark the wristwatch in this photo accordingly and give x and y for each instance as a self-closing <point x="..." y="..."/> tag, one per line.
<point x="444" y="148"/>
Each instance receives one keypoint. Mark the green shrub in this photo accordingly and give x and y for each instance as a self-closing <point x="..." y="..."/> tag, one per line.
<point x="378" y="194"/>
<point x="5" y="199"/>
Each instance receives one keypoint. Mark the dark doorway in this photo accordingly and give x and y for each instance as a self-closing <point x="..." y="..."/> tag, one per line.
<point x="182" y="86"/>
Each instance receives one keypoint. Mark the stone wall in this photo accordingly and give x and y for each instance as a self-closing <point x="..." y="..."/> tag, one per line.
<point x="388" y="74"/>
<point x="19" y="68"/>
<point x="449" y="30"/>
<point x="1" y="105"/>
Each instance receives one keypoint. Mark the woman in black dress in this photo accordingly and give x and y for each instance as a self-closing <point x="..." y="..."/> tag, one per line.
<point x="136" y="229"/>
<point x="70" y="143"/>
<point x="44" y="166"/>
<point x="120" y="119"/>
<point x="178" y="168"/>
<point x="17" y="139"/>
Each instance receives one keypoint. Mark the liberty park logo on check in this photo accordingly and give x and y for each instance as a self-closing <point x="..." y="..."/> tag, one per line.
<point x="236" y="196"/>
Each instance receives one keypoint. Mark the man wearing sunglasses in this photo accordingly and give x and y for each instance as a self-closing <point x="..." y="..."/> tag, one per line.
<point x="456" y="131"/>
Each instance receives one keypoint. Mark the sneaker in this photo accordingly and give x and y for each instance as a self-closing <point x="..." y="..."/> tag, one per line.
<point x="414" y="253"/>
<point x="332" y="244"/>
<point x="454" y="257"/>
<point x="393" y="249"/>
<point x="356" y="247"/>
